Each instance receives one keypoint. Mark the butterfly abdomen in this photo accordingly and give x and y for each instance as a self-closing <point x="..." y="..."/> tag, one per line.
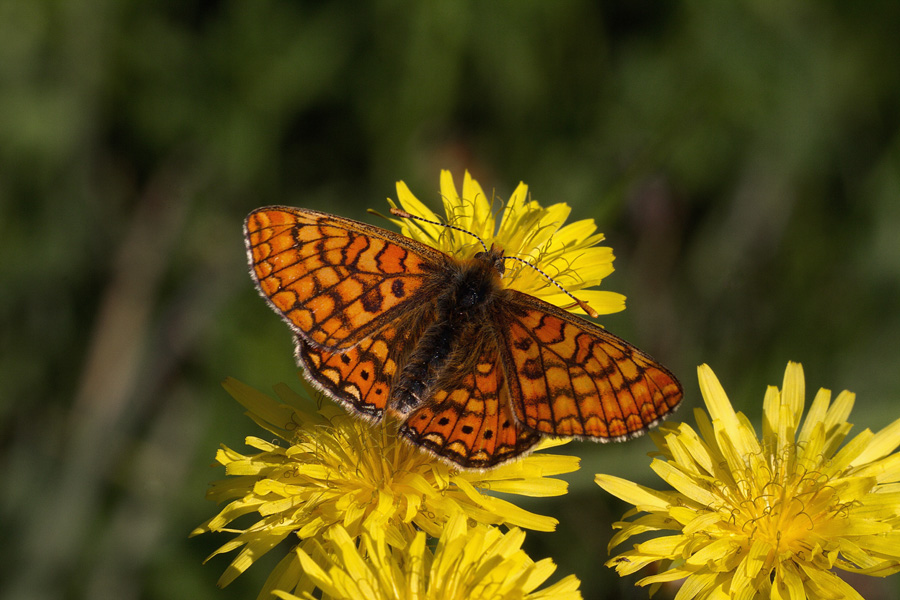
<point x="462" y="303"/>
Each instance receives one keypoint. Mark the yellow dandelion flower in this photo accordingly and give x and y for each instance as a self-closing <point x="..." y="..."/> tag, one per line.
<point x="767" y="517"/>
<point x="467" y="563"/>
<point x="567" y="253"/>
<point x="336" y="469"/>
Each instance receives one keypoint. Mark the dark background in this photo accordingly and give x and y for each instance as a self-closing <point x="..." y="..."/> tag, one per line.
<point x="742" y="157"/>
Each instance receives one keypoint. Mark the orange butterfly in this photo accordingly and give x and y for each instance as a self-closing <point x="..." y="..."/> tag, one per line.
<point x="477" y="373"/>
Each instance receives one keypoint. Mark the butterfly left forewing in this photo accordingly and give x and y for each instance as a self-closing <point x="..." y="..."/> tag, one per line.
<point x="336" y="281"/>
<point x="569" y="377"/>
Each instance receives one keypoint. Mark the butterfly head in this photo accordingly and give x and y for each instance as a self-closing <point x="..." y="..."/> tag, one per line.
<point x="493" y="257"/>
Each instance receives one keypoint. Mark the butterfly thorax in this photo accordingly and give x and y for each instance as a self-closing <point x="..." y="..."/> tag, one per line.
<point x="461" y="309"/>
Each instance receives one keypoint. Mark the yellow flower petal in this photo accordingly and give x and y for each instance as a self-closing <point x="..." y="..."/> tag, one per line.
<point x="643" y="498"/>
<point x="885" y="441"/>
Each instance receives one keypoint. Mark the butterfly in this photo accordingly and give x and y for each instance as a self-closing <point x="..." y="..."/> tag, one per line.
<point x="476" y="373"/>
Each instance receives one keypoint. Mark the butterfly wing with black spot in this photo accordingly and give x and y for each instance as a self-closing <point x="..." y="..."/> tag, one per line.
<point x="361" y="377"/>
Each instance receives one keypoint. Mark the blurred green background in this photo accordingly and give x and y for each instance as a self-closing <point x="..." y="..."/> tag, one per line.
<point x="743" y="159"/>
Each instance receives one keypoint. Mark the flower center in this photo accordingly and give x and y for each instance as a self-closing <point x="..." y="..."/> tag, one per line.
<point x="785" y="509"/>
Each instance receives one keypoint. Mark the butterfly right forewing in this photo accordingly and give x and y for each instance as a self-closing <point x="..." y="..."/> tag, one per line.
<point x="569" y="377"/>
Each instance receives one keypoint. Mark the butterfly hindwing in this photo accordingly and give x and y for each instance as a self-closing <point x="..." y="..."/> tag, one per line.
<point x="359" y="377"/>
<point x="337" y="281"/>
<point x="467" y="418"/>
<point x="569" y="377"/>
<point x="362" y="376"/>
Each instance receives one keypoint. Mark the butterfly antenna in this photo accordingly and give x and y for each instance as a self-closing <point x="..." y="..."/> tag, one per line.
<point x="405" y="215"/>
<point x="579" y="303"/>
